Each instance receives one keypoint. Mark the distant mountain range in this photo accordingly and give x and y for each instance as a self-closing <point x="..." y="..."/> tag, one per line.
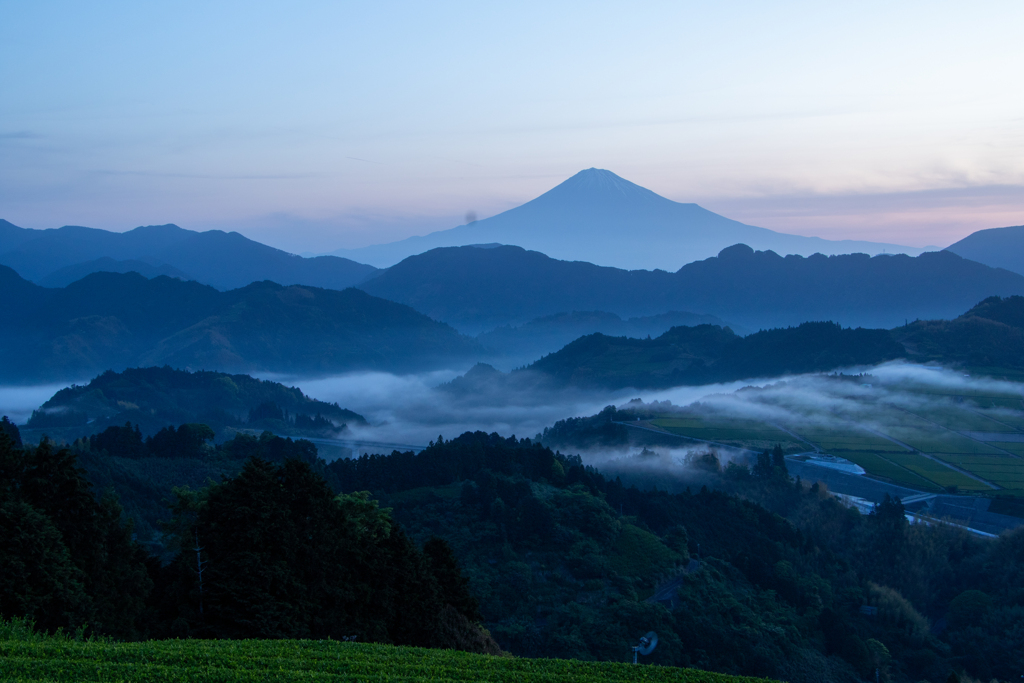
<point x="477" y="289"/>
<point x="225" y="260"/>
<point x="988" y="338"/>
<point x="114" y="321"/>
<point x="598" y="217"/>
<point x="997" y="247"/>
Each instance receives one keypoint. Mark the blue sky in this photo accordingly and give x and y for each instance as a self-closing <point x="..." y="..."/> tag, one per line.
<point x="313" y="126"/>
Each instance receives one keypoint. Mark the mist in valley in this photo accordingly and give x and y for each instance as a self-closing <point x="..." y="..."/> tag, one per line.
<point x="416" y="409"/>
<point x="413" y="410"/>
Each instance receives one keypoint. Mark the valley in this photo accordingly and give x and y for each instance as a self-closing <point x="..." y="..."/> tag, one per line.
<point x="563" y="342"/>
<point x="751" y="440"/>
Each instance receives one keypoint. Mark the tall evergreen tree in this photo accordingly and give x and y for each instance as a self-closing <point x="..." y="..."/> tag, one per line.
<point x="81" y="563"/>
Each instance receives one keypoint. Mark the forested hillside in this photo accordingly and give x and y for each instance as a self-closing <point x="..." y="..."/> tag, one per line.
<point x="558" y="560"/>
<point x="475" y="289"/>
<point x="154" y="398"/>
<point x="268" y="552"/>
<point x="988" y="338"/>
<point x="113" y="321"/>
<point x="708" y="353"/>
<point x="563" y="558"/>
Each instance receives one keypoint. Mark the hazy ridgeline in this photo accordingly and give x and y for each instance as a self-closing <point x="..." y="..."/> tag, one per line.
<point x="650" y="487"/>
<point x="395" y="447"/>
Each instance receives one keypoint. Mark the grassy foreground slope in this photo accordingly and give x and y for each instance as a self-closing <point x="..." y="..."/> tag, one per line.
<point x="61" y="659"/>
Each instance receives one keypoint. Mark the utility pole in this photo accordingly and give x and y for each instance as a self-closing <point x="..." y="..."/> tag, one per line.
<point x="200" y="566"/>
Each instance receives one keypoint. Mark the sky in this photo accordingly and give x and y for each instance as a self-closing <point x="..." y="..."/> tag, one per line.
<point x="313" y="126"/>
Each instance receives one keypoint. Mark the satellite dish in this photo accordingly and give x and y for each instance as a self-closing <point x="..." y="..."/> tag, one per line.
<point x="646" y="646"/>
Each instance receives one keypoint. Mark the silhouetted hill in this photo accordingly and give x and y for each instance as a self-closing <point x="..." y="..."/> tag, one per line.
<point x="989" y="337"/>
<point x="154" y="398"/>
<point x="597" y="216"/>
<point x="224" y="260"/>
<point x="709" y="353"/>
<point x="478" y="289"/>
<point x="518" y="345"/>
<point x="11" y="235"/>
<point x="68" y="274"/>
<point x="111" y="320"/>
<point x="1009" y="311"/>
<point x="996" y="247"/>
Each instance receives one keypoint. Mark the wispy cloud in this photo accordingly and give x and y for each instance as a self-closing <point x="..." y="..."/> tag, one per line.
<point x="20" y="135"/>
<point x="210" y="176"/>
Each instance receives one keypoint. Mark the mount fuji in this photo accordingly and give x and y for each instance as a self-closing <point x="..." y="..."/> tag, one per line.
<point x="597" y="216"/>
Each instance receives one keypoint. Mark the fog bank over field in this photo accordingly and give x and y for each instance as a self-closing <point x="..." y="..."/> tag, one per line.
<point x="412" y="410"/>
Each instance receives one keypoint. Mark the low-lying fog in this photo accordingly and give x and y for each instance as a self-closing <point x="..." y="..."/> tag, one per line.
<point x="18" y="402"/>
<point x="408" y="409"/>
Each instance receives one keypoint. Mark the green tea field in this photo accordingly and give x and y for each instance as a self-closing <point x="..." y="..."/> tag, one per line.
<point x="225" y="661"/>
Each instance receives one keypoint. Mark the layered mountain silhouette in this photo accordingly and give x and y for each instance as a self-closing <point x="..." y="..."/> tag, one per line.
<point x="225" y="260"/>
<point x="75" y="272"/>
<point x="598" y="217"/>
<point x="114" y="321"/>
<point x="512" y="346"/>
<point x="997" y="247"/>
<point x="477" y="289"/>
<point x="708" y="353"/>
<point x="988" y="338"/>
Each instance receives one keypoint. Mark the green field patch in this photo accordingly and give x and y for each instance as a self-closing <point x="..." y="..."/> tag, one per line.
<point x="1015" y="447"/>
<point x="936" y="441"/>
<point x="178" y="661"/>
<point x="879" y="466"/>
<point x="846" y="439"/>
<point x="962" y="419"/>
<point x="1004" y="478"/>
<point x="1013" y="419"/>
<point x="733" y="432"/>
<point x="936" y="472"/>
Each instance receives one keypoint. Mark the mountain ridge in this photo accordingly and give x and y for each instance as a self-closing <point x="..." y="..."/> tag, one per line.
<point x="987" y="338"/>
<point x="226" y="260"/>
<point x="602" y="218"/>
<point x="996" y="247"/>
<point x="114" y="321"/>
<point x="476" y="290"/>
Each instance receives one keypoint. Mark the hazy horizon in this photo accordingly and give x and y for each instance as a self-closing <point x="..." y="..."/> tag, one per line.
<point x="327" y="126"/>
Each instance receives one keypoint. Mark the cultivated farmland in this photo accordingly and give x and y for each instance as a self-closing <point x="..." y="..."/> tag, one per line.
<point x="44" y="658"/>
<point x="932" y="431"/>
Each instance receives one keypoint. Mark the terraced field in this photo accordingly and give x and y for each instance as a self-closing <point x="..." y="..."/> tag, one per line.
<point x="740" y="433"/>
<point x="880" y="464"/>
<point x="925" y="436"/>
<point x="197" y="661"/>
